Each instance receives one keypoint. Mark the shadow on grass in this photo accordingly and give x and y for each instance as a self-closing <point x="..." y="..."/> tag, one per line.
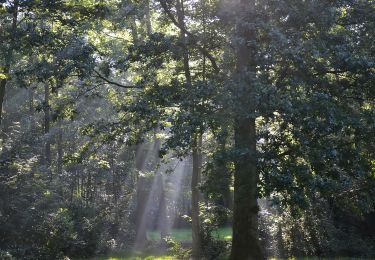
<point x="184" y="234"/>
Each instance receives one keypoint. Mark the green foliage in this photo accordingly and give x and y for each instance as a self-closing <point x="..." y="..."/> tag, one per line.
<point x="176" y="249"/>
<point x="5" y="255"/>
<point x="212" y="247"/>
<point x="114" y="83"/>
<point x="184" y="234"/>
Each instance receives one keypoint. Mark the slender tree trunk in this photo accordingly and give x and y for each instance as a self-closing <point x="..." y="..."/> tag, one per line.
<point x="197" y="141"/>
<point x="195" y="194"/>
<point x="148" y="18"/>
<point x="181" y="21"/>
<point x="59" y="151"/>
<point x="225" y="173"/>
<point x="114" y="180"/>
<point x="3" y="83"/>
<point x="31" y="111"/>
<point x="141" y="196"/>
<point x="162" y="216"/>
<point x="81" y="184"/>
<point x="94" y="189"/>
<point x="73" y="185"/>
<point x="47" y="122"/>
<point x="88" y="188"/>
<point x="245" y="243"/>
<point x="140" y="211"/>
<point x="9" y="57"/>
<point x="142" y="193"/>
<point x="133" y="26"/>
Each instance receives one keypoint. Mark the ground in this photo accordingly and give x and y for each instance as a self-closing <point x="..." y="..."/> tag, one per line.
<point x="184" y="235"/>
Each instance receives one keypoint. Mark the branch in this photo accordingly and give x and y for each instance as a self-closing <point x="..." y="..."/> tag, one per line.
<point x="113" y="82"/>
<point x="336" y="72"/>
<point x="192" y="36"/>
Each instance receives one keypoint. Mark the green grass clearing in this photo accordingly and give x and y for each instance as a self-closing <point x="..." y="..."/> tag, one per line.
<point x="184" y="234"/>
<point x="135" y="255"/>
<point x="135" y="258"/>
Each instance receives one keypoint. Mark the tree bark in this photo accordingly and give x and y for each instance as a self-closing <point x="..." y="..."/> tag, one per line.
<point x="31" y="111"/>
<point x="3" y="83"/>
<point x="162" y="216"/>
<point x="226" y="175"/>
<point x="141" y="189"/>
<point x="47" y="122"/>
<point x="134" y="30"/>
<point x="59" y="150"/>
<point x="59" y="143"/>
<point x="195" y="180"/>
<point x="9" y="57"/>
<point x="196" y="149"/>
<point x="245" y="243"/>
<point x="148" y="18"/>
<point x="142" y="193"/>
<point x="140" y="211"/>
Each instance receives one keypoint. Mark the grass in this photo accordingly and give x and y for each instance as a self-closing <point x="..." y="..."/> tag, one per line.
<point x="224" y="233"/>
<point x="165" y="257"/>
<point x="127" y="255"/>
<point x="184" y="234"/>
<point x="135" y="258"/>
<point x="323" y="258"/>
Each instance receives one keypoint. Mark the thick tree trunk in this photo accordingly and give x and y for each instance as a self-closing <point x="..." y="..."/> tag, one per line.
<point x="9" y="57"/>
<point x="245" y="243"/>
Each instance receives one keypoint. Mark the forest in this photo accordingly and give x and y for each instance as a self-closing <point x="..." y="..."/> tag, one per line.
<point x="187" y="129"/>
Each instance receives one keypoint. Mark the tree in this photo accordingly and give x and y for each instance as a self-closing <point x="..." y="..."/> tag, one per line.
<point x="245" y="243"/>
<point x="276" y="96"/>
<point x="14" y="9"/>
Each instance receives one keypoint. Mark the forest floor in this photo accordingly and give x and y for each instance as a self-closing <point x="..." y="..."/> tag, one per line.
<point x="166" y="257"/>
<point x="184" y="235"/>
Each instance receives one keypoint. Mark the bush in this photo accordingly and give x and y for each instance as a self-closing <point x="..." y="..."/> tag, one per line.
<point x="212" y="216"/>
<point x="176" y="249"/>
<point x="5" y="255"/>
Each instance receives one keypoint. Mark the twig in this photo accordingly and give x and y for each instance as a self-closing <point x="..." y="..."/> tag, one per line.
<point x="113" y="82"/>
<point x="192" y="36"/>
